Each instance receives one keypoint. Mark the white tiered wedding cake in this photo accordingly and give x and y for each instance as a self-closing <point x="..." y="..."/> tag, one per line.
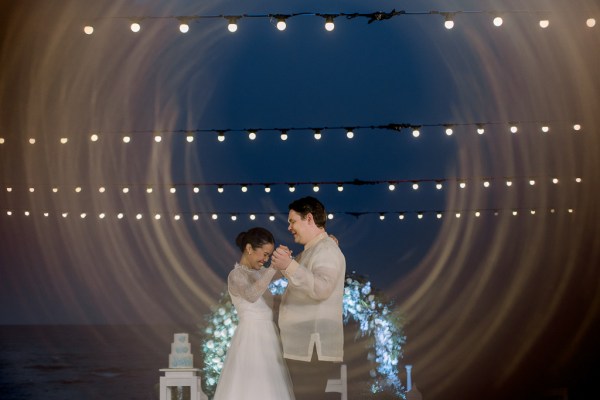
<point x="181" y="352"/>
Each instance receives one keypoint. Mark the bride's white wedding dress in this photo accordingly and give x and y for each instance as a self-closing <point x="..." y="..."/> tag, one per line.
<point x="254" y="368"/>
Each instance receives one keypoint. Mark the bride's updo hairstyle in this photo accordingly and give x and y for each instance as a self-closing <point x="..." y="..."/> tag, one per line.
<point x="257" y="237"/>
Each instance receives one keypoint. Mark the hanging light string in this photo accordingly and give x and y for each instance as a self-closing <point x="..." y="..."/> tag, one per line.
<point x="448" y="128"/>
<point x="281" y="19"/>
<point x="272" y="216"/>
<point x="437" y="183"/>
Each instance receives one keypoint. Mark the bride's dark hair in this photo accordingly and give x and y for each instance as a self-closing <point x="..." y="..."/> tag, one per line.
<point x="257" y="237"/>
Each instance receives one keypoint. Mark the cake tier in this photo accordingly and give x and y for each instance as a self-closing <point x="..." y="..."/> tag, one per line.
<point x="181" y="361"/>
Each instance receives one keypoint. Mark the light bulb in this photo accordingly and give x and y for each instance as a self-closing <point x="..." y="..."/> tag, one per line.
<point x="184" y="28"/>
<point x="498" y="21"/>
<point x="544" y="23"/>
<point x="135" y="27"/>
<point x="591" y="22"/>
<point x="281" y="25"/>
<point x="88" y="29"/>
<point x="329" y="25"/>
<point x="232" y="26"/>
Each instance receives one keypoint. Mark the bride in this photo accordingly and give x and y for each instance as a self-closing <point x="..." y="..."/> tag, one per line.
<point x="254" y="368"/>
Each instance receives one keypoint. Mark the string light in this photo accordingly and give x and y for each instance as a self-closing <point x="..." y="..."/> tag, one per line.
<point x="281" y="24"/>
<point x="232" y="26"/>
<point x="376" y="16"/>
<point x="448" y="20"/>
<point x="392" y="185"/>
<point x="449" y="129"/>
<point x="329" y="24"/>
<point x="135" y="27"/>
<point x="184" y="26"/>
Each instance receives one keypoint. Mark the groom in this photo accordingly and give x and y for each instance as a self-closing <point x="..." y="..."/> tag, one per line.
<point x="310" y="315"/>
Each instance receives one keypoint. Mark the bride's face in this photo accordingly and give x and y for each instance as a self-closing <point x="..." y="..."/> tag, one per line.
<point x="259" y="256"/>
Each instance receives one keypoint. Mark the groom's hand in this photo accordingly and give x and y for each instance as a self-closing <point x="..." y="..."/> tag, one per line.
<point x="281" y="258"/>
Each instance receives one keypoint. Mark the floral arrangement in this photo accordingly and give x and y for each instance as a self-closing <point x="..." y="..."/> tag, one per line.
<point x="362" y="303"/>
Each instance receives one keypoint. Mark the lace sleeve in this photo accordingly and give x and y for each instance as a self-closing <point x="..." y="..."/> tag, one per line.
<point x="249" y="285"/>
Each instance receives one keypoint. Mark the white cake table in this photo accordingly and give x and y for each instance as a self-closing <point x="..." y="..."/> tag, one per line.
<point x="175" y="377"/>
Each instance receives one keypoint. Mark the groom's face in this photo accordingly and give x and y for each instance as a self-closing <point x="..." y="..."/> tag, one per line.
<point x="298" y="227"/>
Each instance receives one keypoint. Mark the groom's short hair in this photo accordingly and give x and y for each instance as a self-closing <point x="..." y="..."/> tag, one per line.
<point x="311" y="205"/>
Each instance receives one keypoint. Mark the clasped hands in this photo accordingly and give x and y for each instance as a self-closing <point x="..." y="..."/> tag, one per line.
<point x="281" y="258"/>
